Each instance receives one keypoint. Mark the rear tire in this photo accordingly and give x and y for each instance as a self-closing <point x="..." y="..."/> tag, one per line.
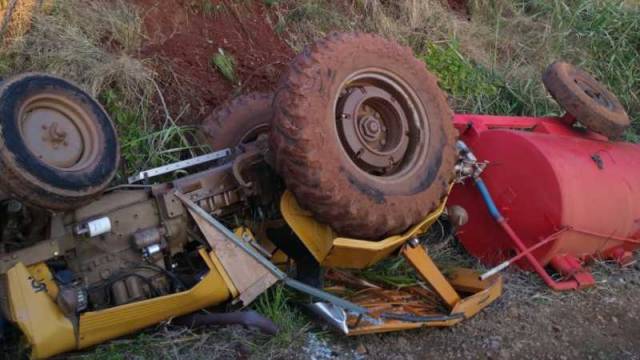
<point x="362" y="135"/>
<point x="58" y="147"/>
<point x="588" y="100"/>
<point x="239" y="122"/>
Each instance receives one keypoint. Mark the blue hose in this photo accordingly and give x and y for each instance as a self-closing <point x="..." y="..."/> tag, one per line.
<point x="488" y="200"/>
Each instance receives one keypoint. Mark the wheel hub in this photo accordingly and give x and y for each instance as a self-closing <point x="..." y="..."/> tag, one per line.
<point x="57" y="133"/>
<point x="374" y="125"/>
<point x="594" y="92"/>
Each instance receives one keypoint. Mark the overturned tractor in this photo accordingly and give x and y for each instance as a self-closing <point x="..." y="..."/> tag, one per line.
<point x="349" y="163"/>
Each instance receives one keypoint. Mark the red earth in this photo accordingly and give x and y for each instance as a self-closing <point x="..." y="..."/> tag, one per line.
<point x="460" y="6"/>
<point x="182" y="38"/>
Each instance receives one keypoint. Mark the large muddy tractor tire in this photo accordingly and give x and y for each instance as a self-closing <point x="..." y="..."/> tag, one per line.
<point x="58" y="147"/>
<point x="586" y="99"/>
<point x="363" y="135"/>
<point x="239" y="122"/>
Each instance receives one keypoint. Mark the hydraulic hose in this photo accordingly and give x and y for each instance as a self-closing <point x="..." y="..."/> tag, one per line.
<point x="248" y="318"/>
<point x="497" y="216"/>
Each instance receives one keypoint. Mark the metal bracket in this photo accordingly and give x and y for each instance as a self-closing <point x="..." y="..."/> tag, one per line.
<point x="279" y="274"/>
<point x="161" y="170"/>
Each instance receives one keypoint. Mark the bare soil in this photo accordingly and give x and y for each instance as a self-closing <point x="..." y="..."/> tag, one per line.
<point x="183" y="36"/>
<point x="528" y="321"/>
<point x="460" y="7"/>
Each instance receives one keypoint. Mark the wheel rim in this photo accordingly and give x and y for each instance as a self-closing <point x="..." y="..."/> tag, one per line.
<point x="593" y="89"/>
<point x="253" y="134"/>
<point x="378" y="122"/>
<point x="58" y="132"/>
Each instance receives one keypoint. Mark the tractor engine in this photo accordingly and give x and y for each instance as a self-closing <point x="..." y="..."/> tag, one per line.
<point x="136" y="241"/>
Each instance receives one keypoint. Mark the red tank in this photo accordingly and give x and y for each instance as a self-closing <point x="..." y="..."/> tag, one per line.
<point x="567" y="187"/>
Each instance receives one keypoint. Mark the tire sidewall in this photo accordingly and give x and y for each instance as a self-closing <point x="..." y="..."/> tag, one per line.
<point x="225" y="127"/>
<point x="327" y="84"/>
<point x="588" y="107"/>
<point x="13" y="93"/>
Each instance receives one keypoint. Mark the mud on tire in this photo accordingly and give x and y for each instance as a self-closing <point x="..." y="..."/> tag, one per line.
<point x="240" y="121"/>
<point x="362" y="135"/>
<point x="588" y="100"/>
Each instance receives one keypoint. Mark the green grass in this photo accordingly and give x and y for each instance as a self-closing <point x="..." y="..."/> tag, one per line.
<point x="601" y="36"/>
<point x="138" y="347"/>
<point x="209" y="8"/>
<point x="94" y="46"/>
<point x="494" y="63"/>
<point x="144" y="144"/>
<point x="225" y="63"/>
<point x="277" y="305"/>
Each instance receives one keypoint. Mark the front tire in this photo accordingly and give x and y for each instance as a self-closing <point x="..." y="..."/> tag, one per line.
<point x="588" y="100"/>
<point x="362" y="135"/>
<point x="58" y="147"/>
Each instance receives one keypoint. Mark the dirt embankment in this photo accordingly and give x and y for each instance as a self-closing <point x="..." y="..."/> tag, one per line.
<point x="182" y="37"/>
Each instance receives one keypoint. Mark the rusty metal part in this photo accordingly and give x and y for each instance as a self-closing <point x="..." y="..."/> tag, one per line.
<point x="147" y="237"/>
<point x="376" y="123"/>
<point x="586" y="99"/>
<point x="72" y="300"/>
<point x="243" y="161"/>
<point x="248" y="318"/>
<point x="59" y="132"/>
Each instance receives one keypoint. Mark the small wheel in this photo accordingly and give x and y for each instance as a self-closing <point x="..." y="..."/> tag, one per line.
<point x="58" y="147"/>
<point x="362" y="135"/>
<point x="239" y="122"/>
<point x="588" y="100"/>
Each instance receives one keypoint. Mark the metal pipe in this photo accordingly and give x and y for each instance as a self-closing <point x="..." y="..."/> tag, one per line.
<point x="247" y="318"/>
<point x="507" y="263"/>
<point x="611" y="237"/>
<point x="495" y="213"/>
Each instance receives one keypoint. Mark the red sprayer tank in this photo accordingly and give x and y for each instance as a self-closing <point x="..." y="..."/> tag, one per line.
<point x="570" y="188"/>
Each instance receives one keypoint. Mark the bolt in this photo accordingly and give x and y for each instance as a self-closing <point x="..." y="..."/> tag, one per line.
<point x="373" y="126"/>
<point x="14" y="206"/>
<point x="56" y="134"/>
<point x="370" y="128"/>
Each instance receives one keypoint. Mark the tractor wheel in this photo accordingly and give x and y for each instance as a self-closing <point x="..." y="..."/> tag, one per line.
<point x="588" y="100"/>
<point x="58" y="147"/>
<point x="362" y="135"/>
<point x="239" y="122"/>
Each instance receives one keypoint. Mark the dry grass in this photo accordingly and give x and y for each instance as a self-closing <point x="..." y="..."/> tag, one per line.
<point x="506" y="43"/>
<point x="91" y="44"/>
<point x="95" y="44"/>
<point x="411" y="22"/>
<point x="16" y="17"/>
